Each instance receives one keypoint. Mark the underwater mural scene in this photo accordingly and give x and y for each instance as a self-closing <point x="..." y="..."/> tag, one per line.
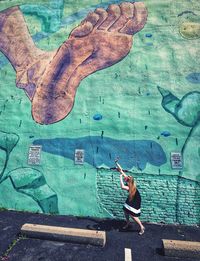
<point x="85" y="82"/>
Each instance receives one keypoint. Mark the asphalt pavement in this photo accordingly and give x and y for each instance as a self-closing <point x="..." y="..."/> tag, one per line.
<point x="148" y="247"/>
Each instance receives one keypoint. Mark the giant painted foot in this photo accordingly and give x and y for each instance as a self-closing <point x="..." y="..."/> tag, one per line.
<point x="101" y="40"/>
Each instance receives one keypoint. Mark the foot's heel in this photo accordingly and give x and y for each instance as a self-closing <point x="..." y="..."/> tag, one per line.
<point x="126" y="226"/>
<point x="142" y="231"/>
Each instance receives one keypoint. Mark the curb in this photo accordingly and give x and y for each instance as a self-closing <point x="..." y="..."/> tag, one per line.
<point x="178" y="248"/>
<point x="75" y="235"/>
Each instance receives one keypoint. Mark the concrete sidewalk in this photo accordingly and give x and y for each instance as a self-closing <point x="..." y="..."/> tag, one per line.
<point x="144" y="248"/>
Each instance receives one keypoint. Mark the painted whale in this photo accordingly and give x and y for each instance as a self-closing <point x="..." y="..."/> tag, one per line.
<point x="101" y="151"/>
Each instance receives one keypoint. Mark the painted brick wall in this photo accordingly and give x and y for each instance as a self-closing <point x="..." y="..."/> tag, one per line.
<point x="167" y="199"/>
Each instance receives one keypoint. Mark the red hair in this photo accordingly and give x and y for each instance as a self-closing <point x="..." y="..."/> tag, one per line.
<point x="132" y="187"/>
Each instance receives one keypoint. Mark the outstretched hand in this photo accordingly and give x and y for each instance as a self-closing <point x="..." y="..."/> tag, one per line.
<point x="119" y="168"/>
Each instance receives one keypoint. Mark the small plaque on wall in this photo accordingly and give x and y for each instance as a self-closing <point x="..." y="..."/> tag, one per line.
<point x="176" y="160"/>
<point x="34" y="155"/>
<point x="79" y="157"/>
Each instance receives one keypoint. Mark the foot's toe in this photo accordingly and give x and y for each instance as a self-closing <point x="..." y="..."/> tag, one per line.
<point x="102" y="16"/>
<point x="127" y="12"/>
<point x="114" y="13"/>
<point x="127" y="18"/>
<point x="92" y="21"/>
<point x="82" y="30"/>
<point x="137" y="22"/>
<point x="127" y="9"/>
<point x="91" y="18"/>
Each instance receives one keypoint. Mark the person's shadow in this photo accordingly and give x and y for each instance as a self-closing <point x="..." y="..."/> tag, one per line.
<point x="110" y="224"/>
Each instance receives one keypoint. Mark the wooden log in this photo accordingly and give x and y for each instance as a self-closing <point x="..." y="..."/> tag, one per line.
<point x="74" y="235"/>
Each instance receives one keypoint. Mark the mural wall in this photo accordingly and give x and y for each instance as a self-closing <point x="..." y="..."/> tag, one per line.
<point x="85" y="82"/>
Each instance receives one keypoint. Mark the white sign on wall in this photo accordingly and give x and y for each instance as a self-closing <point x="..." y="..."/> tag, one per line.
<point x="176" y="160"/>
<point x="79" y="156"/>
<point x="34" y="155"/>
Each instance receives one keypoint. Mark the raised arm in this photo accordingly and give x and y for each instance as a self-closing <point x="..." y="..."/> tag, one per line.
<point x="119" y="168"/>
<point x="122" y="183"/>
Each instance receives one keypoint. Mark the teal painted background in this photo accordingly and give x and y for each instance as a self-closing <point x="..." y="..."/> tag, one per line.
<point x="135" y="122"/>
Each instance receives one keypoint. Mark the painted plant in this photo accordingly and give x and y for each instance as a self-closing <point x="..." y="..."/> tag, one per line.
<point x="28" y="181"/>
<point x="186" y="110"/>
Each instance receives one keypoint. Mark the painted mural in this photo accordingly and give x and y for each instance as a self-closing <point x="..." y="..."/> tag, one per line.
<point x="111" y="78"/>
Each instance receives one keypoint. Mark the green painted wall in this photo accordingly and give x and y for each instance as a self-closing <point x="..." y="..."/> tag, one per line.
<point x="165" y="198"/>
<point x="139" y="101"/>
